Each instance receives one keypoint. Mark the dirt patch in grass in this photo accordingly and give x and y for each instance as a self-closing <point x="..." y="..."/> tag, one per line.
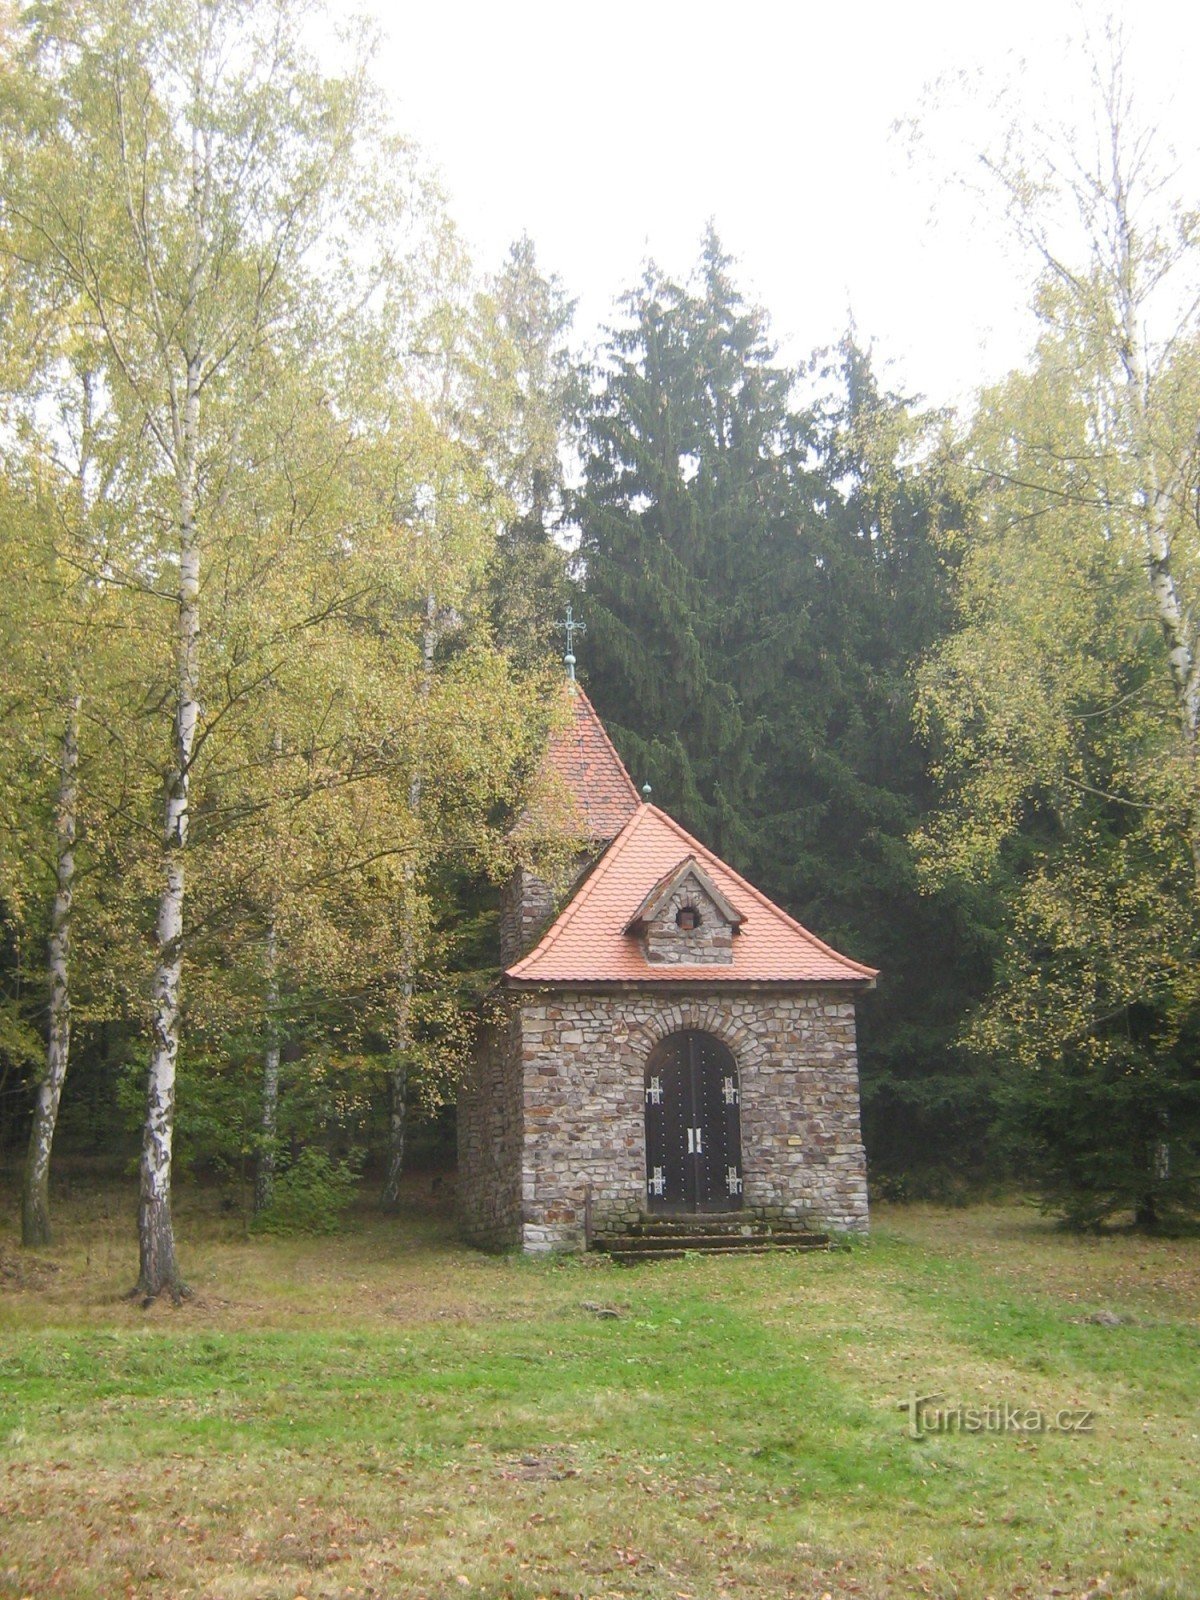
<point x="22" y="1270"/>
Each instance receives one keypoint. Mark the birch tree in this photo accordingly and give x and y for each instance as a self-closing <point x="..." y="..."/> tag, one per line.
<point x="1062" y="712"/>
<point x="450" y="453"/>
<point x="39" y="780"/>
<point x="448" y="509"/>
<point x="30" y="341"/>
<point x="35" y="1193"/>
<point x="191" y="176"/>
<point x="59" y="645"/>
<point x="378" y="752"/>
<point x="1119" y="248"/>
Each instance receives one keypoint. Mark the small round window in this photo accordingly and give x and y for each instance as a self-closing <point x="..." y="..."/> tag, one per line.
<point x="687" y="918"/>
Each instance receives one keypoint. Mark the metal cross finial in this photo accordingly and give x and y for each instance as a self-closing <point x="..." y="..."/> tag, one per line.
<point x="572" y="628"/>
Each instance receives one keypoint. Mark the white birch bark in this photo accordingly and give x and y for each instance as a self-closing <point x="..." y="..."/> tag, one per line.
<point x="35" y="1196"/>
<point x="1157" y="501"/>
<point x="1181" y="658"/>
<point x="156" y="1238"/>
<point x="1158" y="515"/>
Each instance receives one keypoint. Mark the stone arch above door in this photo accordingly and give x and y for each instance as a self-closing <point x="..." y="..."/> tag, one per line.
<point x="734" y="1029"/>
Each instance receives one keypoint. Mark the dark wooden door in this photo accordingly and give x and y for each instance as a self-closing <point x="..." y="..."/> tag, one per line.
<point x="693" y="1125"/>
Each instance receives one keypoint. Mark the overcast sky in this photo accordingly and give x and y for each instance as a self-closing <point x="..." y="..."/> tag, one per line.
<point x="613" y="130"/>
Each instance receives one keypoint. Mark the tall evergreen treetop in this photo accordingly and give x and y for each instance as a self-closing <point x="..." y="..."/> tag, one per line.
<point x="526" y="379"/>
<point x="696" y="489"/>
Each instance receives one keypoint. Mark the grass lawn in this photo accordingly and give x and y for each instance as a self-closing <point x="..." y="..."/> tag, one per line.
<point x="387" y="1413"/>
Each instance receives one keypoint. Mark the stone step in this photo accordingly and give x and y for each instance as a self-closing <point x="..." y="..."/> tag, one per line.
<point x="623" y="1257"/>
<point x="713" y="1241"/>
<point x="648" y="1243"/>
<point x="684" y="1231"/>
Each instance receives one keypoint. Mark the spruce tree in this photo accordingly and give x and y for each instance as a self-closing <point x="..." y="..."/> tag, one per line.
<point x="697" y="547"/>
<point x="851" y="763"/>
<point x="758" y="583"/>
<point x="526" y="379"/>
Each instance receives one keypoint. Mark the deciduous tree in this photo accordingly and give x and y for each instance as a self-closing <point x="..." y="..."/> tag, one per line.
<point x="1064" y="708"/>
<point x="192" y="179"/>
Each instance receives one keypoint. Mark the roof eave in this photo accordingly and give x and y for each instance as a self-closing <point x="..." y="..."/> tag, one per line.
<point x="859" y="985"/>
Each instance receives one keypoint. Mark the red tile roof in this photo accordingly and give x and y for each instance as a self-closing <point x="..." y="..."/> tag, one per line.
<point x="580" y="757"/>
<point x="587" y="943"/>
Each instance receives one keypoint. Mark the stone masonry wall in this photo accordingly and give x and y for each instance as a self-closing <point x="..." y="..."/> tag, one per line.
<point x="583" y="1058"/>
<point x="490" y="1099"/>
<point x="527" y="904"/>
<point x="490" y="1123"/>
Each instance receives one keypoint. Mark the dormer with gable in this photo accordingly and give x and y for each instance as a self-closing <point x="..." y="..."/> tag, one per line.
<point x="675" y="1043"/>
<point x="686" y="920"/>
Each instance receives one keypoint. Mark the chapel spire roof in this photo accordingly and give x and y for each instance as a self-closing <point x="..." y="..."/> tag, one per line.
<point x="580" y="759"/>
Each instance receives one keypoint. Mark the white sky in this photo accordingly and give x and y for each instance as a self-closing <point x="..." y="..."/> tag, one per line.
<point x="613" y="130"/>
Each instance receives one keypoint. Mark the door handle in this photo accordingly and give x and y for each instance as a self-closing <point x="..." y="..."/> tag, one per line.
<point x="695" y="1141"/>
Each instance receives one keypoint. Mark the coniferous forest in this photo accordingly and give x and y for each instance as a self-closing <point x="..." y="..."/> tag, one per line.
<point x="293" y="498"/>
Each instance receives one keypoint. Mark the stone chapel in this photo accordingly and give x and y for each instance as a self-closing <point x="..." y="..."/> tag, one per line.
<point x="674" y="1044"/>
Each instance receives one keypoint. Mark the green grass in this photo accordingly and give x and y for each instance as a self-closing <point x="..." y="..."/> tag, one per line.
<point x="389" y="1414"/>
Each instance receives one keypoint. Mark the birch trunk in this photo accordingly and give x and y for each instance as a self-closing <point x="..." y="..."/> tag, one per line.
<point x="35" y="1196"/>
<point x="264" y="1175"/>
<point x="1173" y="615"/>
<point x="398" y="1125"/>
<point x="156" y="1237"/>
<point x="1185" y="671"/>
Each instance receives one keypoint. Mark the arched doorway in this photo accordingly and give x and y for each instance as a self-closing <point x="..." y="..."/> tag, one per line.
<point x="693" y="1125"/>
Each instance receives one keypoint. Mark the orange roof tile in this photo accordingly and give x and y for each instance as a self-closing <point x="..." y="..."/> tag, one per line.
<point x="581" y="757"/>
<point x="588" y="943"/>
